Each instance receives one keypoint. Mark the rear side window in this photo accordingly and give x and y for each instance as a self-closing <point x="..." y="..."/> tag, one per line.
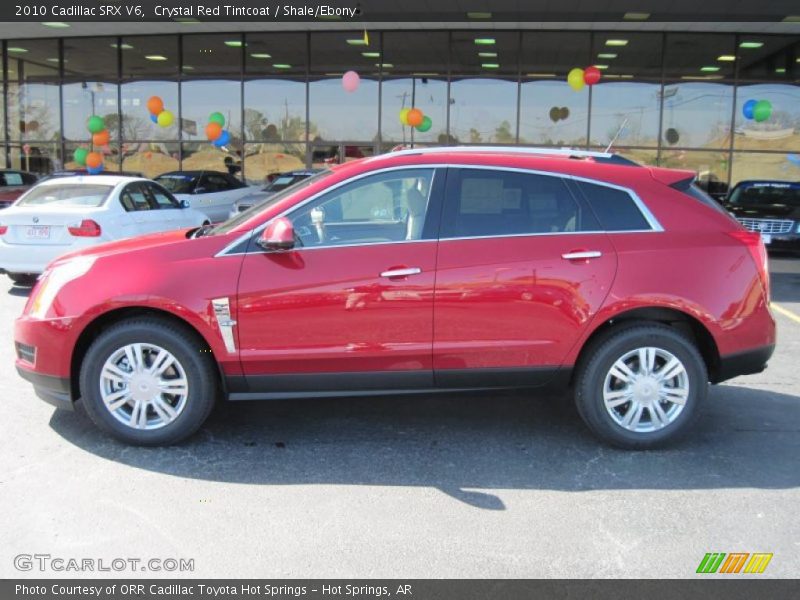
<point x="615" y="208"/>
<point x="494" y="203"/>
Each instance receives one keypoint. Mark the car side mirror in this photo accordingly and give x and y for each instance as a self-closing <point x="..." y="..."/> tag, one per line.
<point x="185" y="204"/>
<point x="278" y="235"/>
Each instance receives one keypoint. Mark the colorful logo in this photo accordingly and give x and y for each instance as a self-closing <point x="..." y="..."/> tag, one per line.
<point x="735" y="562"/>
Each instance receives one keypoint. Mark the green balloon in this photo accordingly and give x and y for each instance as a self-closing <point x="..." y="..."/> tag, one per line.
<point x="425" y="125"/>
<point x="762" y="110"/>
<point x="80" y="156"/>
<point x="217" y="117"/>
<point x="95" y="124"/>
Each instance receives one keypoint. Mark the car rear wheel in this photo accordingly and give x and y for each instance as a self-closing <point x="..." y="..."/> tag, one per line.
<point x="640" y="386"/>
<point x="148" y="382"/>
<point x="23" y="279"/>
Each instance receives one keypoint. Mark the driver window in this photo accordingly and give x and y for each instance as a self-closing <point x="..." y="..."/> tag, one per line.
<point x="381" y="208"/>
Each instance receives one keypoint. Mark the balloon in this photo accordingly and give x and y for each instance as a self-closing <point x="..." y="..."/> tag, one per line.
<point x="80" y="155"/>
<point x="95" y="124"/>
<point x="747" y="109"/>
<point x="404" y="116"/>
<point x="154" y="118"/>
<point x="415" y="117"/>
<point x="165" y="118"/>
<point x="223" y="139"/>
<point x="95" y="170"/>
<point x="155" y="105"/>
<point x="672" y="136"/>
<point x="213" y="130"/>
<point x="591" y="75"/>
<point x="762" y="110"/>
<point x="350" y="81"/>
<point x="575" y="79"/>
<point x="217" y="117"/>
<point x="794" y="159"/>
<point x="101" y="138"/>
<point x="564" y="113"/>
<point x="94" y="160"/>
<point x="425" y="125"/>
<point x="555" y="114"/>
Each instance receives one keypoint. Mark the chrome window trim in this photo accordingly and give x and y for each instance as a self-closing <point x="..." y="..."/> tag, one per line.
<point x="655" y="226"/>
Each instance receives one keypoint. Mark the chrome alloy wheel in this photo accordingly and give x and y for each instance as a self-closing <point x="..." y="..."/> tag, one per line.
<point x="646" y="389"/>
<point x="143" y="386"/>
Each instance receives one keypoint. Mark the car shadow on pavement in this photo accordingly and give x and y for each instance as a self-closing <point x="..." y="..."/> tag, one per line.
<point x="785" y="287"/>
<point x="467" y="446"/>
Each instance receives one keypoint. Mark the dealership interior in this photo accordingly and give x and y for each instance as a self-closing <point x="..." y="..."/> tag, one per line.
<point x="669" y="97"/>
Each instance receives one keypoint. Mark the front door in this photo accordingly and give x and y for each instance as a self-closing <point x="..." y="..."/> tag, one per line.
<point x="351" y="307"/>
<point x="522" y="269"/>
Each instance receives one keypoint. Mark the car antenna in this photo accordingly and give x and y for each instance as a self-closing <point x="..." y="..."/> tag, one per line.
<point x="616" y="135"/>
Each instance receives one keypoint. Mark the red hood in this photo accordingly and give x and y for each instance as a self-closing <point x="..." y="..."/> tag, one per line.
<point x="142" y="243"/>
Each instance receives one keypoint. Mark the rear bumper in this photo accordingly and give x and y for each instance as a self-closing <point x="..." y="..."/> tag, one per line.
<point x="53" y="390"/>
<point x="747" y="362"/>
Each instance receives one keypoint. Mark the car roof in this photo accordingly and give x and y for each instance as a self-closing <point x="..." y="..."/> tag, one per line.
<point x="112" y="180"/>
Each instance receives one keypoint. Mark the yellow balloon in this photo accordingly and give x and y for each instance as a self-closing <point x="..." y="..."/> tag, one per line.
<point x="575" y="79"/>
<point x="165" y="118"/>
<point x="404" y="116"/>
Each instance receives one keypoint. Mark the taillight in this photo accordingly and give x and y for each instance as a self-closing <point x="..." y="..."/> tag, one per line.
<point x="758" y="251"/>
<point x="3" y="229"/>
<point x="87" y="228"/>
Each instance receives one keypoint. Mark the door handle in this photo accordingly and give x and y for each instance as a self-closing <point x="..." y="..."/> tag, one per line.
<point x="401" y="272"/>
<point x="582" y="255"/>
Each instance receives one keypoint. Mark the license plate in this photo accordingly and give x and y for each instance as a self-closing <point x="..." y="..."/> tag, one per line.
<point x="767" y="238"/>
<point x="38" y="232"/>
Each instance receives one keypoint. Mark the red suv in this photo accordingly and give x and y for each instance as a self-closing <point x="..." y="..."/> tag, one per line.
<point x="417" y="271"/>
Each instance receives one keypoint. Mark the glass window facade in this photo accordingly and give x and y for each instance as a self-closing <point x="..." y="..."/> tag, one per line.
<point x="673" y="99"/>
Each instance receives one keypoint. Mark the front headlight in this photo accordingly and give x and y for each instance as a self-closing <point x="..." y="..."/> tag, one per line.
<point x="53" y="279"/>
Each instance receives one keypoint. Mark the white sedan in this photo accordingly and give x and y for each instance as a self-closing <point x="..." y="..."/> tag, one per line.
<point x="211" y="192"/>
<point x="66" y="214"/>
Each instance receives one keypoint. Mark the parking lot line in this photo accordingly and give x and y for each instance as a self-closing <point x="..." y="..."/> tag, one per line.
<point x="786" y="312"/>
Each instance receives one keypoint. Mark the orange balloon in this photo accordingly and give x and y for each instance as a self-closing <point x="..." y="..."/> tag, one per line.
<point x="155" y="105"/>
<point x="101" y="139"/>
<point x="94" y="160"/>
<point x="213" y="130"/>
<point x="415" y="117"/>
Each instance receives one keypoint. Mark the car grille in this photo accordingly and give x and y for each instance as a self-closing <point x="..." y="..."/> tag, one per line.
<point x="767" y="225"/>
<point x="26" y="353"/>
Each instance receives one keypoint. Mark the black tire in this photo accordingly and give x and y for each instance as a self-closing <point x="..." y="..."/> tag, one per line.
<point x="23" y="279"/>
<point x="597" y="361"/>
<point x="190" y="351"/>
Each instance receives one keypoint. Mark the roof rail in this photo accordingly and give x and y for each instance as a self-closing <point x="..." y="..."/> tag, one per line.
<point x="508" y="149"/>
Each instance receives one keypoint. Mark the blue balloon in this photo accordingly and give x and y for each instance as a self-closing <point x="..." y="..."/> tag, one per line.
<point x="154" y="118"/>
<point x="749" y="108"/>
<point x="94" y="170"/>
<point x="223" y="139"/>
<point x="794" y="159"/>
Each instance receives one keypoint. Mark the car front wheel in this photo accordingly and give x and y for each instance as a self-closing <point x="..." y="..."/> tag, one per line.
<point x="147" y="381"/>
<point x="640" y="386"/>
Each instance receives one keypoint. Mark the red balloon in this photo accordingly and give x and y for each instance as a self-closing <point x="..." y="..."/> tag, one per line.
<point x="591" y="75"/>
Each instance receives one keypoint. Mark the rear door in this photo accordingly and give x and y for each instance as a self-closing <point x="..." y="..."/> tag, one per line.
<point x="142" y="218"/>
<point x="522" y="268"/>
<point x="168" y="209"/>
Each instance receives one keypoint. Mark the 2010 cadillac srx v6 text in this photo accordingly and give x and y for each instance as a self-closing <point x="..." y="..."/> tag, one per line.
<point x="417" y="271"/>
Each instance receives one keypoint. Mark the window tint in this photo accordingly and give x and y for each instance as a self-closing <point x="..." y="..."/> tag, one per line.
<point x="212" y="182"/>
<point x="133" y="197"/>
<point x="177" y="183"/>
<point x="487" y="203"/>
<point x="386" y="207"/>
<point x="162" y="199"/>
<point x="11" y="178"/>
<point x="615" y="209"/>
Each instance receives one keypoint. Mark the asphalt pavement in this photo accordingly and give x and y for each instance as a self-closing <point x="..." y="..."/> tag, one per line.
<point x="478" y="485"/>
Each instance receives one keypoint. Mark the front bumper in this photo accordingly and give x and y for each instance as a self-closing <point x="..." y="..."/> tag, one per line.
<point x="748" y="362"/>
<point x="53" y="390"/>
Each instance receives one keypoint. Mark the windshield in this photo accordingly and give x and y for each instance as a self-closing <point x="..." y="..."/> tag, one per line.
<point x="81" y="194"/>
<point x="766" y="193"/>
<point x="260" y="206"/>
<point x="177" y="183"/>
